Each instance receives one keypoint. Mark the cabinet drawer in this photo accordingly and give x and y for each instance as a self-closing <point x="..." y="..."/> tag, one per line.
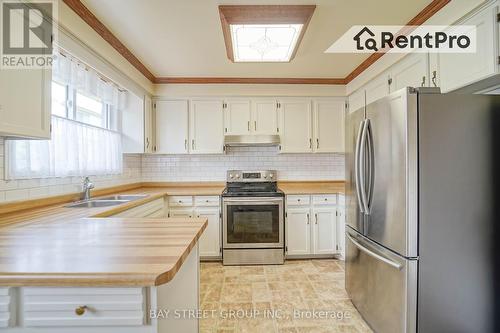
<point x="180" y="212"/>
<point x="298" y="200"/>
<point x="180" y="201"/>
<point x="43" y="307"/>
<point x="5" y="307"/>
<point x="327" y="199"/>
<point x="207" y="201"/>
<point x="145" y="210"/>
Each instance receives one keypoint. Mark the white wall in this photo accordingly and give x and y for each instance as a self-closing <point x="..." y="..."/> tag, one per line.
<point x="14" y="190"/>
<point x="214" y="167"/>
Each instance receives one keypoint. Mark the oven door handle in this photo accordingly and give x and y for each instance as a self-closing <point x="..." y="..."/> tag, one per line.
<point x="253" y="200"/>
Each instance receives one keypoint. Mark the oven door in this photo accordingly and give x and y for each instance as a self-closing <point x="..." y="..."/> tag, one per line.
<point x="252" y="223"/>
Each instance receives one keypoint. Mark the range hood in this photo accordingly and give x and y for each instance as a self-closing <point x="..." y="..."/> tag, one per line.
<point x="251" y="140"/>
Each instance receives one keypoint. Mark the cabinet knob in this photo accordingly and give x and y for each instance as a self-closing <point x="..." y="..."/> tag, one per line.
<point x="81" y="310"/>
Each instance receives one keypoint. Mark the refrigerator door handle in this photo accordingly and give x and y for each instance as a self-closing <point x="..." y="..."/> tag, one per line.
<point x="371" y="166"/>
<point x="357" y="166"/>
<point x="377" y="256"/>
<point x="361" y="167"/>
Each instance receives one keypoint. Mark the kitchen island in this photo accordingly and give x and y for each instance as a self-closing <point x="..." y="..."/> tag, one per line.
<point x="100" y="275"/>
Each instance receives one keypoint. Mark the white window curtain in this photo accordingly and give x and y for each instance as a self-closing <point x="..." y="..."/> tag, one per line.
<point x="75" y="149"/>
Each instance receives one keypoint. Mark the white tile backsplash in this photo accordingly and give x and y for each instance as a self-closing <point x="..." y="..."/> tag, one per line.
<point x="138" y="168"/>
<point x="214" y="167"/>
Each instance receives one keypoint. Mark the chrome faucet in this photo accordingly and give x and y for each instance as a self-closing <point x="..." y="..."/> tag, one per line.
<point x="86" y="187"/>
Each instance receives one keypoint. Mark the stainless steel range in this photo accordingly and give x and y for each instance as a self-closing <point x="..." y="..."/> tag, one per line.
<point x="252" y="219"/>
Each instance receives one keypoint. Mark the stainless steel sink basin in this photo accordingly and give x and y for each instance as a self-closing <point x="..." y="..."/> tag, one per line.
<point x="127" y="197"/>
<point x="96" y="203"/>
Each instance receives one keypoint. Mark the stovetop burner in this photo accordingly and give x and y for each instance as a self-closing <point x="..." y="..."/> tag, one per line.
<point x="252" y="184"/>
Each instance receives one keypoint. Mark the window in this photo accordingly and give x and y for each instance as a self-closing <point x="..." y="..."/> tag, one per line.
<point x="84" y="141"/>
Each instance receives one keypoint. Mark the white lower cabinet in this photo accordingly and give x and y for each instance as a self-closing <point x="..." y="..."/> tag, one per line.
<point x="311" y="226"/>
<point x="201" y="206"/>
<point x="66" y="307"/>
<point x="210" y="239"/>
<point x="324" y="230"/>
<point x="298" y="231"/>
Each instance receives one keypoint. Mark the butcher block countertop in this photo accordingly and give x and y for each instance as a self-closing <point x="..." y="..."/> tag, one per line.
<point x="97" y="251"/>
<point x="44" y="243"/>
<point x="313" y="187"/>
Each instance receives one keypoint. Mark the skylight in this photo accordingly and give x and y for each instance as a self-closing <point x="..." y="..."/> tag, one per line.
<point x="264" y="42"/>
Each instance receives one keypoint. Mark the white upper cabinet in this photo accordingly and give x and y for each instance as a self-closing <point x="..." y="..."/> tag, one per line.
<point x="171" y="129"/>
<point x="458" y="70"/>
<point x="25" y="103"/>
<point x="329" y="125"/>
<point x="265" y="116"/>
<point x="237" y="116"/>
<point x="377" y="88"/>
<point x="250" y="116"/>
<point x="148" y="125"/>
<point x="206" y="127"/>
<point x="411" y="71"/>
<point x="296" y="119"/>
<point x="356" y="100"/>
<point x="133" y="125"/>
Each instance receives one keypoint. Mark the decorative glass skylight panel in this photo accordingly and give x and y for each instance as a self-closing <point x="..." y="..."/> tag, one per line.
<point x="264" y="42"/>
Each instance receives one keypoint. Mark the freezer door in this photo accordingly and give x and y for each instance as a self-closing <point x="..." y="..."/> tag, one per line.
<point x="381" y="284"/>
<point x="390" y="178"/>
<point x="354" y="123"/>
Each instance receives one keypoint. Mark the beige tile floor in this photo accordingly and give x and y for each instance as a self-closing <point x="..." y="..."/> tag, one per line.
<point x="270" y="298"/>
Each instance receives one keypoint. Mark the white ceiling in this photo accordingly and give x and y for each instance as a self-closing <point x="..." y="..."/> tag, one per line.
<point x="184" y="37"/>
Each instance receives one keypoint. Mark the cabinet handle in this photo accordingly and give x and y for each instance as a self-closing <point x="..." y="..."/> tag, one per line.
<point x="185" y="144"/>
<point x="423" y="81"/>
<point x="308" y="218"/>
<point x="255" y="124"/>
<point x="316" y="218"/>
<point x="434" y="77"/>
<point x="248" y="126"/>
<point x="310" y="143"/>
<point x="192" y="144"/>
<point x="317" y="143"/>
<point x="81" y="310"/>
<point x="147" y="143"/>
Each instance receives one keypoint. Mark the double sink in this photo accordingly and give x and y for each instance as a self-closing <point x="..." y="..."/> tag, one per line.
<point x="106" y="201"/>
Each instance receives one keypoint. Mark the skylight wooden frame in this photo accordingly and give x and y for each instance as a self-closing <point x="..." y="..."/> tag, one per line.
<point x="263" y="14"/>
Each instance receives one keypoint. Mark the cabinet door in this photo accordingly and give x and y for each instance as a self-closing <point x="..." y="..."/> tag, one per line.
<point x="357" y="100"/>
<point x="25" y="103"/>
<point x="377" y="88"/>
<point x="206" y="127"/>
<point x="296" y="119"/>
<point x="133" y="125"/>
<point x="458" y="70"/>
<point x="237" y="117"/>
<point x="341" y="231"/>
<point x="210" y="239"/>
<point x="298" y="231"/>
<point x="324" y="231"/>
<point x="329" y="126"/>
<point x="148" y="125"/>
<point x="265" y="116"/>
<point x="411" y="71"/>
<point x="181" y="212"/>
<point x="171" y="127"/>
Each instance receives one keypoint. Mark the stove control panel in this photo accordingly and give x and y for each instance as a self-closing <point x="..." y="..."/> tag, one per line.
<point x="251" y="176"/>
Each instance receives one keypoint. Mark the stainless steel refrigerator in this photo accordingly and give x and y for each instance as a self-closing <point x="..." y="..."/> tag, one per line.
<point x="423" y="229"/>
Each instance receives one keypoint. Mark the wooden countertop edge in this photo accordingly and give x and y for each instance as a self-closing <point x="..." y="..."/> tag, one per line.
<point x="99" y="280"/>
<point x="17" y="206"/>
